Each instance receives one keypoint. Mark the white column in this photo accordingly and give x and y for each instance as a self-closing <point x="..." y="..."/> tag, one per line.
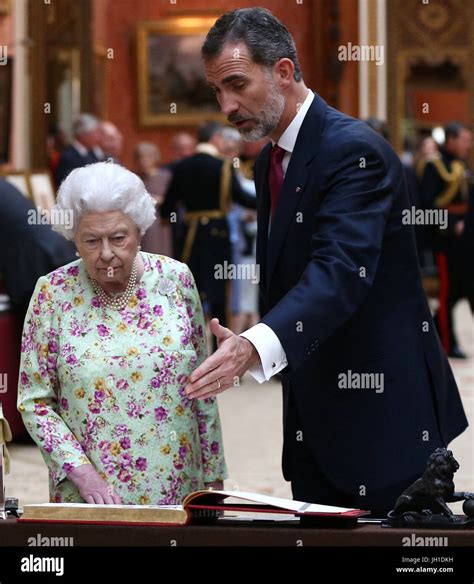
<point x="363" y="65"/>
<point x="21" y="88"/>
<point x="382" y="69"/>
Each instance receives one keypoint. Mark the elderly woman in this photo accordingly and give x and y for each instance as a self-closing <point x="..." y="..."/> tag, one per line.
<point x="108" y="343"/>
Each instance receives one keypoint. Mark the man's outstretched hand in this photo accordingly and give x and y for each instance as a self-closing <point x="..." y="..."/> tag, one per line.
<point x="232" y="359"/>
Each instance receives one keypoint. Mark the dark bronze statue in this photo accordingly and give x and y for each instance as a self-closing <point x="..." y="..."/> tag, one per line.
<point x="428" y="496"/>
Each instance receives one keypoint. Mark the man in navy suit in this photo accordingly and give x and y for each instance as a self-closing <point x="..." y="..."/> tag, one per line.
<point x="29" y="249"/>
<point x="84" y="149"/>
<point x="368" y="393"/>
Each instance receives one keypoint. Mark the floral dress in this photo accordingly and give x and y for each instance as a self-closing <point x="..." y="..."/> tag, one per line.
<point x="106" y="387"/>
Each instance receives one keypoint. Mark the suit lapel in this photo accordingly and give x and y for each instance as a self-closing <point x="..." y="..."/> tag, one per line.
<point x="292" y="190"/>
<point x="263" y="212"/>
<point x="296" y="177"/>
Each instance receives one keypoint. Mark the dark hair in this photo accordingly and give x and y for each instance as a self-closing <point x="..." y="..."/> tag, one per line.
<point x="207" y="130"/>
<point x="452" y="130"/>
<point x="267" y="39"/>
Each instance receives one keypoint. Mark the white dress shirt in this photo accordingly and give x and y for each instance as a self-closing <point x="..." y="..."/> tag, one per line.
<point x="268" y="346"/>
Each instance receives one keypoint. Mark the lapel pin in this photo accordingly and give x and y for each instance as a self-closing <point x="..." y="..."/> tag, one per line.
<point x="298" y="189"/>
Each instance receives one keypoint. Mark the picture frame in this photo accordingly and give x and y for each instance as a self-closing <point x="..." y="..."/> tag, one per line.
<point x="172" y="87"/>
<point x="42" y="189"/>
<point x="5" y="7"/>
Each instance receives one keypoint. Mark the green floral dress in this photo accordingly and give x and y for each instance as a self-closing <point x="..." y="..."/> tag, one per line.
<point x="107" y="387"/>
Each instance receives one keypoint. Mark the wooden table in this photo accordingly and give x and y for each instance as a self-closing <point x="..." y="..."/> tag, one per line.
<point x="228" y="533"/>
<point x="240" y="549"/>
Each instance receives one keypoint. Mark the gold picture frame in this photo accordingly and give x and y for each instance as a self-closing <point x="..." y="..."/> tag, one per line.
<point x="37" y="185"/>
<point x="172" y="88"/>
<point x="43" y="193"/>
<point x="5" y="7"/>
<point x="444" y="32"/>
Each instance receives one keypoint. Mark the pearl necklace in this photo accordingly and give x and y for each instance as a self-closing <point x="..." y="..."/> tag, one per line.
<point x="117" y="301"/>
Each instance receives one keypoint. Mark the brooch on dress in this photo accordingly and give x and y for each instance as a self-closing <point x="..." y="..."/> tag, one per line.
<point x="167" y="288"/>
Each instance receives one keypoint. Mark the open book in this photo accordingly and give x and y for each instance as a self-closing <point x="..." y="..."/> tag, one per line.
<point x="196" y="507"/>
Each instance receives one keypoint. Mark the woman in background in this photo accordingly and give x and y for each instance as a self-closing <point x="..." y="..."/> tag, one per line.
<point x="158" y="238"/>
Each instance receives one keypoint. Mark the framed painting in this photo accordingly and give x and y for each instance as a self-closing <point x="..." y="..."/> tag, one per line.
<point x="172" y="87"/>
<point x="42" y="189"/>
<point x="5" y="7"/>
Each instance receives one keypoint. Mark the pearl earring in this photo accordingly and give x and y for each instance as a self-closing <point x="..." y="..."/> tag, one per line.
<point x="139" y="247"/>
<point x="78" y="255"/>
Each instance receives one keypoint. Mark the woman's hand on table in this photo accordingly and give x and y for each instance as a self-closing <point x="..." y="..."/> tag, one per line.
<point x="92" y="487"/>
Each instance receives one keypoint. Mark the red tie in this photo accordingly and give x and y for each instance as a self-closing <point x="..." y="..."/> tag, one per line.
<point x="275" y="175"/>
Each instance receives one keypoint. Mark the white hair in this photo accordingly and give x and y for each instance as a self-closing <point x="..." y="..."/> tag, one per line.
<point x="102" y="187"/>
<point x="84" y="123"/>
<point x="231" y="134"/>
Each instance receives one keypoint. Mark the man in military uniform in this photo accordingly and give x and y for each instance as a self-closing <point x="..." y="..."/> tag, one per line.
<point x="206" y="185"/>
<point x="444" y="185"/>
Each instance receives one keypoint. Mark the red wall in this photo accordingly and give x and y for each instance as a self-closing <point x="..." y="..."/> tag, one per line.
<point x="6" y="39"/>
<point x="444" y="106"/>
<point x="348" y="90"/>
<point x="118" y="28"/>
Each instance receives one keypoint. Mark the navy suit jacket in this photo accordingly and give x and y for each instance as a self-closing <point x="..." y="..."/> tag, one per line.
<point x="69" y="160"/>
<point x="340" y="286"/>
<point x="27" y="251"/>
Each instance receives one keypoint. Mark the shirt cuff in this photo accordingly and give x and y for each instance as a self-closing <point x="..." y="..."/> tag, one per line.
<point x="270" y="350"/>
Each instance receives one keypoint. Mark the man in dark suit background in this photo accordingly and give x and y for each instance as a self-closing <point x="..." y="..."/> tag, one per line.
<point x="205" y="184"/>
<point x="29" y="248"/>
<point x="368" y="393"/>
<point x="84" y="149"/>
